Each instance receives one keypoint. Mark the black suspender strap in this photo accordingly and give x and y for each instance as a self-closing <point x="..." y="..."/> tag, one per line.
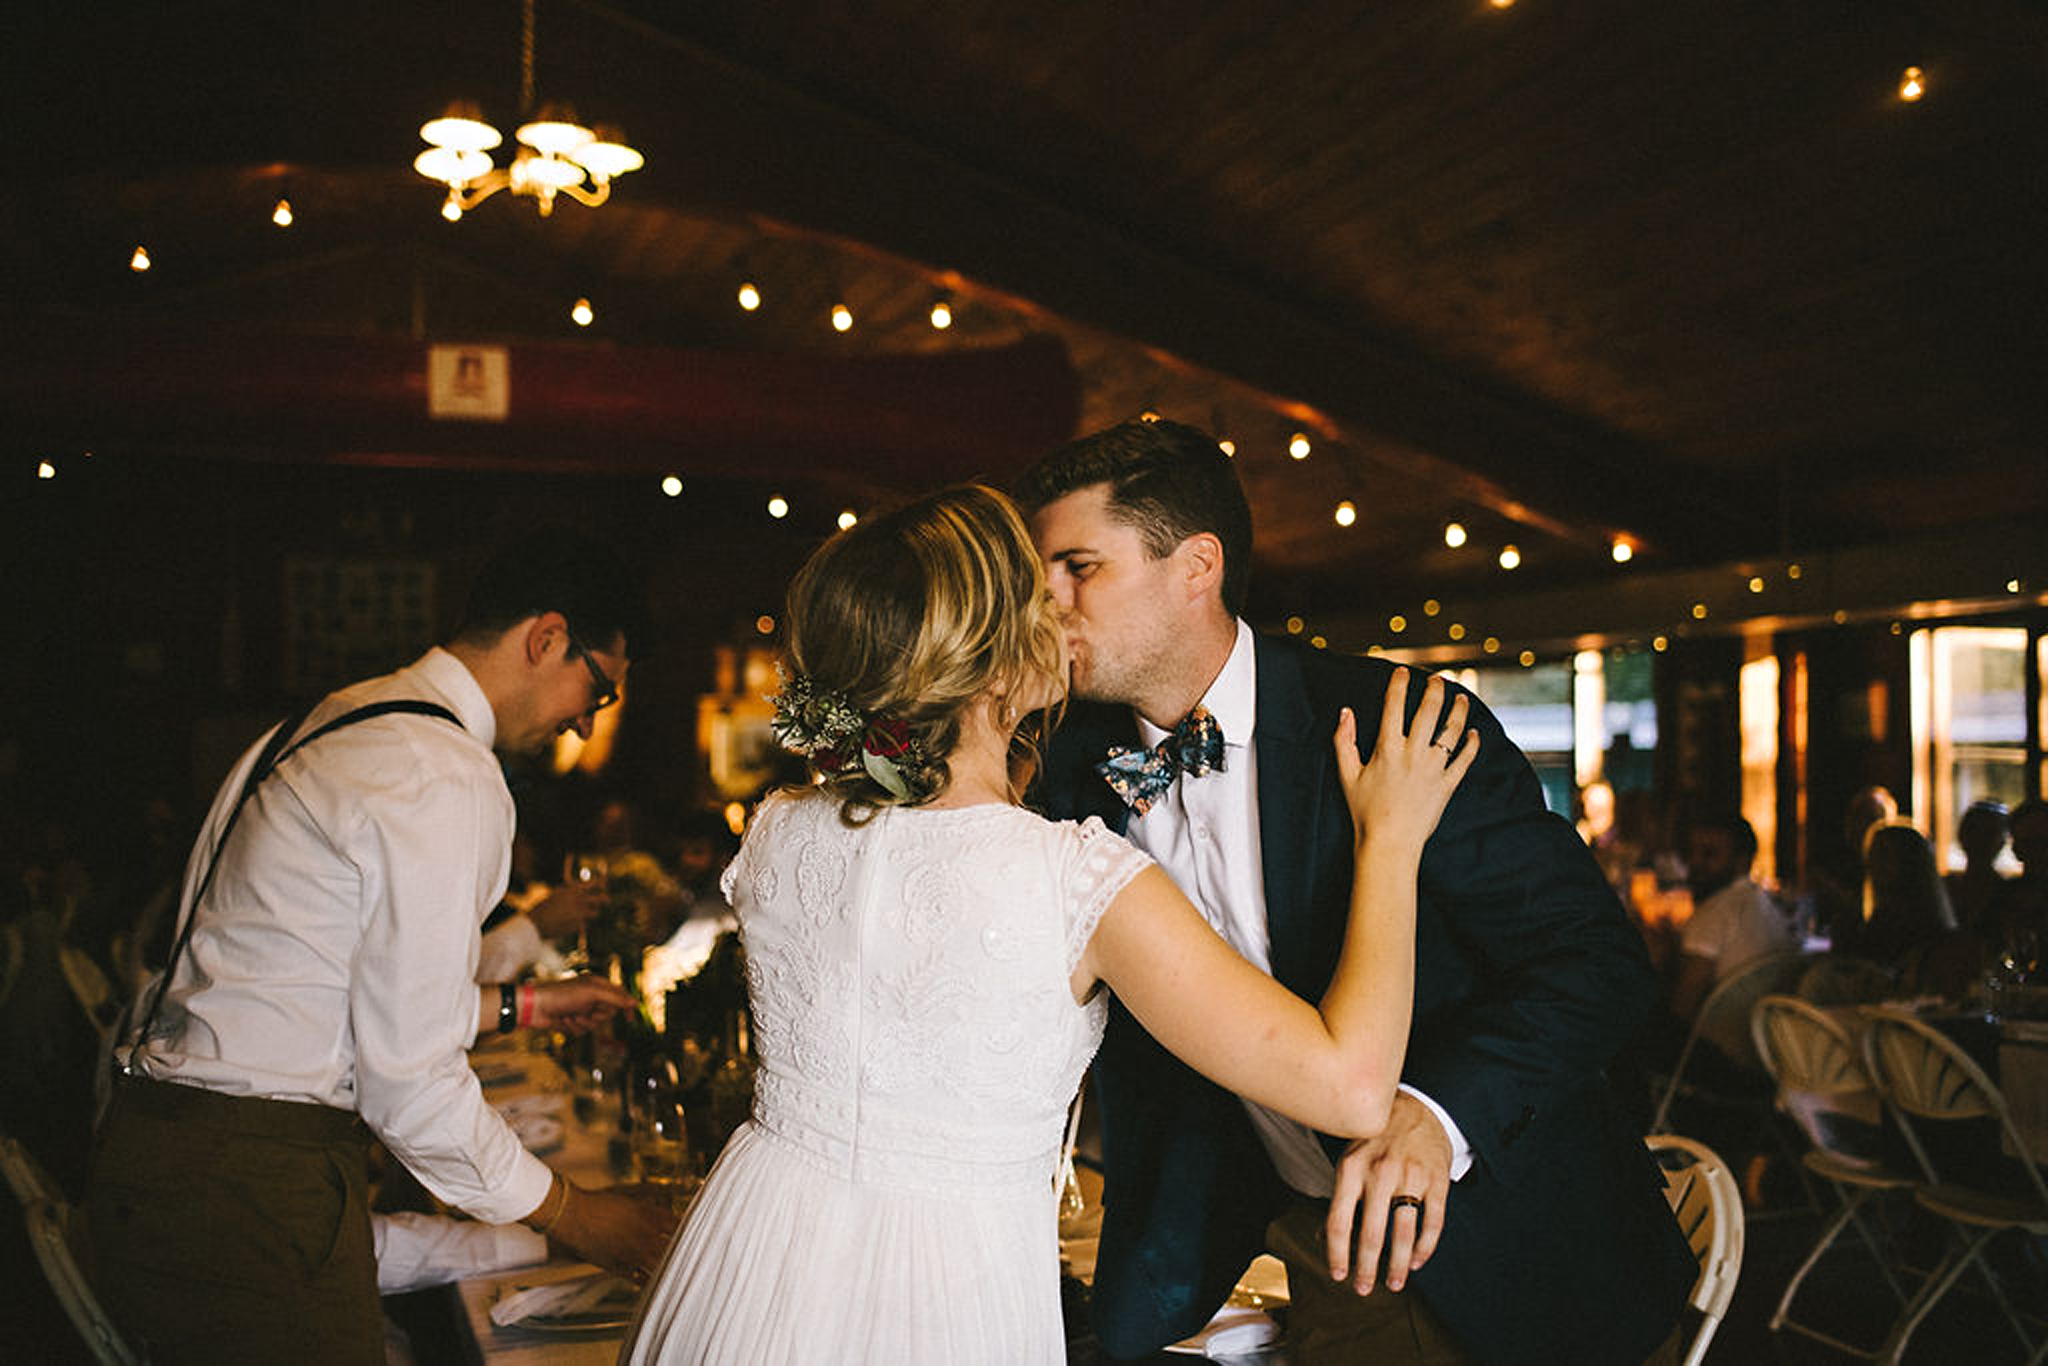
<point x="275" y="751"/>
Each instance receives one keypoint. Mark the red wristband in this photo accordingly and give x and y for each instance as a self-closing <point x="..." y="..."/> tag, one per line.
<point x="526" y="1005"/>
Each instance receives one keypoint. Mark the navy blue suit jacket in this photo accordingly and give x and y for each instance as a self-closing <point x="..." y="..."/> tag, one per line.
<point x="1557" y="1245"/>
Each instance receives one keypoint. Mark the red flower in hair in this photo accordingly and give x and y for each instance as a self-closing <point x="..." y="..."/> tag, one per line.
<point x="886" y="737"/>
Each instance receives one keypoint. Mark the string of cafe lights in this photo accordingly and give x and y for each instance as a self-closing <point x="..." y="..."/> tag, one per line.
<point x="1912" y="86"/>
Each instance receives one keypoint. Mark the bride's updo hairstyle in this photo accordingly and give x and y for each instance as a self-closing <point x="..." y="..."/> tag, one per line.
<point x="907" y="618"/>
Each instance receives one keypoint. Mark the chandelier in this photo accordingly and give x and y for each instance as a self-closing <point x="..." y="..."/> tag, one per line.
<point x="556" y="154"/>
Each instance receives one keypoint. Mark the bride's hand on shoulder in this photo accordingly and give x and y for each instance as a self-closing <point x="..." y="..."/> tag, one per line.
<point x="1402" y="790"/>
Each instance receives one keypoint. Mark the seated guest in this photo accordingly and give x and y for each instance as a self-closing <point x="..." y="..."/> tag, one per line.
<point x="1982" y="834"/>
<point x="1733" y="919"/>
<point x="1908" y="925"/>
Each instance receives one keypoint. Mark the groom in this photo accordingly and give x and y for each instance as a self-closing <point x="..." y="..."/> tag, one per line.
<point x="1508" y="1165"/>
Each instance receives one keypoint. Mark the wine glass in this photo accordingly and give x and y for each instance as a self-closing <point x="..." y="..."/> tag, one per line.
<point x="583" y="870"/>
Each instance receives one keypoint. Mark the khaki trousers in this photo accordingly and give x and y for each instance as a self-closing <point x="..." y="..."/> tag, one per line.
<point x="226" y="1229"/>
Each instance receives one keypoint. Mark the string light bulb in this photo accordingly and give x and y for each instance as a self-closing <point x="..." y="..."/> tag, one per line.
<point x="847" y="519"/>
<point x="1346" y="513"/>
<point x="942" y="314"/>
<point x="1912" y="84"/>
<point x="1454" y="534"/>
<point x="1510" y="557"/>
<point x="282" y="214"/>
<point x="139" y="262"/>
<point x="1227" y="446"/>
<point x="45" y="470"/>
<point x="778" y="507"/>
<point x="1622" y="551"/>
<point x="672" y="486"/>
<point x="581" y="314"/>
<point x="750" y="296"/>
<point x="1298" y="447"/>
<point x="842" y="318"/>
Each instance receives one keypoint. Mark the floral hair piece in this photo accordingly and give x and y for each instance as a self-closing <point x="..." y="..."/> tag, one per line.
<point x="828" y="729"/>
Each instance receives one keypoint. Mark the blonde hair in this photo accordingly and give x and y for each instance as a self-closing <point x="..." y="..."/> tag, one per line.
<point x="911" y="616"/>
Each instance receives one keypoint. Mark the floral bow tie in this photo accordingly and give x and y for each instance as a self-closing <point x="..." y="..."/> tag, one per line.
<point x="1140" y="775"/>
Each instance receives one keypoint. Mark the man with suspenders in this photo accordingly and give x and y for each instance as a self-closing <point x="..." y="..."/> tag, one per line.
<point x="321" y="993"/>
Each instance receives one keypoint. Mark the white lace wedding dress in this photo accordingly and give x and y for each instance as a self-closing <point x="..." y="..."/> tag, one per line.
<point x="892" y="1199"/>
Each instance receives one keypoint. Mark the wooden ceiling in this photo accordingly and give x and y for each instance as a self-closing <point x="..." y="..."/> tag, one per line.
<point x="1693" y="274"/>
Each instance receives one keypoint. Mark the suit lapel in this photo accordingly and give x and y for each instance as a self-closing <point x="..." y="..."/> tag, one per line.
<point x="1293" y="777"/>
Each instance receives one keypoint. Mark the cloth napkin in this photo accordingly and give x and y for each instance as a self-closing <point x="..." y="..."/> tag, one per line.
<point x="560" y="1299"/>
<point x="1232" y="1332"/>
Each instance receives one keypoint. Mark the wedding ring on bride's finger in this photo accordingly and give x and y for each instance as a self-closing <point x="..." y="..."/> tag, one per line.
<point x="1401" y="1202"/>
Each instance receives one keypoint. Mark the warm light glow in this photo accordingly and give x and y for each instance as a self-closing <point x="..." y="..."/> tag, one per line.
<point x="1454" y="534"/>
<point x="1510" y="557"/>
<point x="847" y="519"/>
<point x="1527" y="659"/>
<point x="778" y="506"/>
<point x="736" y="818"/>
<point x="765" y="624"/>
<point x="555" y="137"/>
<point x="582" y="313"/>
<point x="460" y="133"/>
<point x="1623" y="552"/>
<point x="452" y="165"/>
<point x="1431" y="607"/>
<point x="942" y="315"/>
<point x="672" y="486"/>
<point x="1319" y="642"/>
<point x="1660" y="644"/>
<point x="139" y="261"/>
<point x="1699" y="611"/>
<point x="1756" y="583"/>
<point x="45" y="470"/>
<point x="607" y="157"/>
<point x="1491" y="645"/>
<point x="2012" y="585"/>
<point x="842" y="318"/>
<point x="1501" y="4"/>
<point x="1299" y="447"/>
<point x="1295" y="626"/>
<point x="282" y="214"/>
<point x="1227" y="446"/>
<point x="1793" y="571"/>
<point x="1397" y="623"/>
<point x="1455" y="631"/>
<point x="1346" y="514"/>
<point x="750" y="297"/>
<point x="1912" y="84"/>
<point x="451" y="207"/>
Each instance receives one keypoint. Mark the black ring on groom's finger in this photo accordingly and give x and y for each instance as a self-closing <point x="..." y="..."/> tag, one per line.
<point x="1413" y="1202"/>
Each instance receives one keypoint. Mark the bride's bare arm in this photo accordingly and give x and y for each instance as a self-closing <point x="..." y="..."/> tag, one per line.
<point x="1336" y="1067"/>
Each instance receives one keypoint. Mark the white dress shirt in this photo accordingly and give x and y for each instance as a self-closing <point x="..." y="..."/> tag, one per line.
<point x="334" y="959"/>
<point x="1204" y="831"/>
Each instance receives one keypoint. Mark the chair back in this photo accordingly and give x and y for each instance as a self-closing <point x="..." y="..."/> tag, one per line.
<point x="1926" y="1075"/>
<point x="49" y="1233"/>
<point x="1723" y="1019"/>
<point x="1707" y="1203"/>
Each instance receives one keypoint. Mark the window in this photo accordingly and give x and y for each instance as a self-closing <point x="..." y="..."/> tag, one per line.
<point x="1969" y="725"/>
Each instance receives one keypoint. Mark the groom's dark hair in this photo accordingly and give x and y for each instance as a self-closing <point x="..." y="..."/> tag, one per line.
<point x="1166" y="479"/>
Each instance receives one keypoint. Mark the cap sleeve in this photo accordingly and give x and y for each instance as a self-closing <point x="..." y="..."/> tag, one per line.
<point x="1100" y="864"/>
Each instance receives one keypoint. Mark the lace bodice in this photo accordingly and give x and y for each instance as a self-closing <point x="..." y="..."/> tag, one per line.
<point x="913" y="1018"/>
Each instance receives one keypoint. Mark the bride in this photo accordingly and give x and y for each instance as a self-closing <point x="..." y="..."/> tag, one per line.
<point x="927" y="962"/>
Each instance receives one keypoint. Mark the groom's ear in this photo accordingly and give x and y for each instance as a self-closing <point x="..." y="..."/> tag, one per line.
<point x="1198" y="566"/>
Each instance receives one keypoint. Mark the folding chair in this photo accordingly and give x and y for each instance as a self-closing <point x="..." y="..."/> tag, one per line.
<point x="1818" y="1065"/>
<point x="1723" y="1022"/>
<point x="1928" y="1079"/>
<point x="47" y="1216"/>
<point x="1708" y="1206"/>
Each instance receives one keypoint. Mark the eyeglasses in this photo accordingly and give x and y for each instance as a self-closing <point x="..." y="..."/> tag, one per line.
<point x="607" y="691"/>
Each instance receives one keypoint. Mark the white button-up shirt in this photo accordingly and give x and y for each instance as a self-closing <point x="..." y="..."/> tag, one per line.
<point x="334" y="958"/>
<point x="1204" y="831"/>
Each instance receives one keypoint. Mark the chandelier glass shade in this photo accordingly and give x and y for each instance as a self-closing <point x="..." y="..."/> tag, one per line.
<point x="555" y="156"/>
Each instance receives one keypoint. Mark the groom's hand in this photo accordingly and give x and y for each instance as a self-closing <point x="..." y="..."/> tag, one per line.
<point x="1410" y="1157"/>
